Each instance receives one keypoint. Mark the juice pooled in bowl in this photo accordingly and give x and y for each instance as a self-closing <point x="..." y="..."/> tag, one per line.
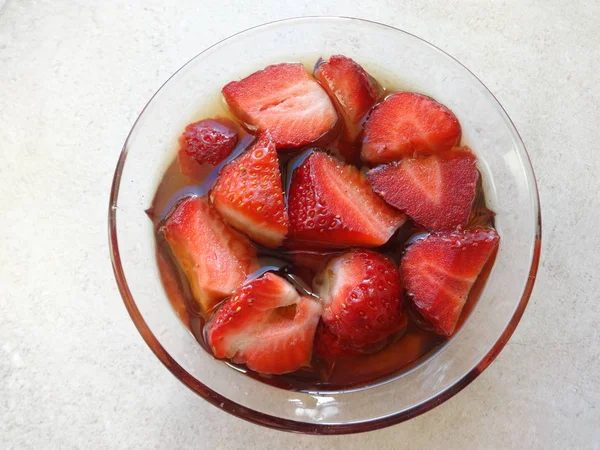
<point x="323" y="231"/>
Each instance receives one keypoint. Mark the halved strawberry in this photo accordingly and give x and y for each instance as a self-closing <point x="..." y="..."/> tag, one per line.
<point x="249" y="196"/>
<point x="209" y="141"/>
<point x="408" y="124"/>
<point x="266" y="325"/>
<point x="214" y="258"/>
<point x="439" y="270"/>
<point x="353" y="90"/>
<point x="284" y="100"/>
<point x="435" y="191"/>
<point x="362" y="293"/>
<point x="331" y="204"/>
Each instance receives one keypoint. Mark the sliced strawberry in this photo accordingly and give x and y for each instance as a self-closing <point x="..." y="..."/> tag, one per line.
<point x="363" y="300"/>
<point x="436" y="191"/>
<point x="284" y="100"/>
<point x="332" y="204"/>
<point x="352" y="89"/>
<point x="438" y="272"/>
<point x="214" y="258"/>
<point x="266" y="325"/>
<point x="408" y="124"/>
<point x="249" y="196"/>
<point x="209" y="141"/>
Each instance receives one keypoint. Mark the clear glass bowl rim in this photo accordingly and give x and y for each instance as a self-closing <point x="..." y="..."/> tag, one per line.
<point x="277" y="422"/>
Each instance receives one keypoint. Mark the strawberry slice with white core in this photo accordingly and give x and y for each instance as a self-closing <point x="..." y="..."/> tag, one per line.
<point x="439" y="270"/>
<point x="249" y="194"/>
<point x="214" y="258"/>
<point x="284" y="100"/>
<point x="436" y="191"/>
<point x="332" y="204"/>
<point x="408" y="124"/>
<point x="353" y="90"/>
<point x="266" y="325"/>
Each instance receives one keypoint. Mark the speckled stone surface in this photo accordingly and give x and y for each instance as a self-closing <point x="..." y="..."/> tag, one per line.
<point x="75" y="373"/>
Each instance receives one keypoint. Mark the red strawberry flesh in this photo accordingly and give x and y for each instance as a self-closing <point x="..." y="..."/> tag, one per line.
<point x="209" y="141"/>
<point x="331" y="204"/>
<point x="439" y="270"/>
<point x="363" y="299"/>
<point x="436" y="191"/>
<point x="266" y="325"/>
<point x="214" y="258"/>
<point x="408" y="124"/>
<point x="249" y="194"/>
<point x="284" y="100"/>
<point x="354" y="92"/>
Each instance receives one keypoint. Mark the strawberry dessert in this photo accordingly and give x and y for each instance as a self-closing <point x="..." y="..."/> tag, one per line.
<point x="321" y="229"/>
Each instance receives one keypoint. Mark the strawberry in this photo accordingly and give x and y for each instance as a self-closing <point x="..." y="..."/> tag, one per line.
<point x="214" y="258"/>
<point x="266" y="325"/>
<point x="249" y="196"/>
<point x="436" y="191"/>
<point x="209" y="141"/>
<point x="353" y="91"/>
<point x="439" y="270"/>
<point x="362" y="294"/>
<point x="408" y="124"/>
<point x="284" y="100"/>
<point x="332" y="204"/>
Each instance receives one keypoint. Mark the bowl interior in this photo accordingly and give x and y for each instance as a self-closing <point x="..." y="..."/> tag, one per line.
<point x="394" y="57"/>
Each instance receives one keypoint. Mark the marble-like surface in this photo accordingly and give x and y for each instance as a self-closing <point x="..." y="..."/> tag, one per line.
<point x="74" y="372"/>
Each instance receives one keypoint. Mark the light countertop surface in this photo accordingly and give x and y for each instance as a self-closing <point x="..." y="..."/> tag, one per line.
<point x="74" y="75"/>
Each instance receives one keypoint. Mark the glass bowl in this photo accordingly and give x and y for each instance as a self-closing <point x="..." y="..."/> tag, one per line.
<point x="391" y="55"/>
